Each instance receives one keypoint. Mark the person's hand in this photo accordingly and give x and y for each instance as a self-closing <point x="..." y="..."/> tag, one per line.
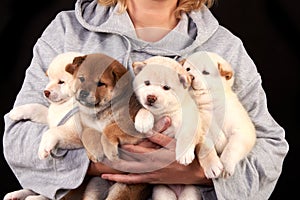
<point x="132" y="160"/>
<point x="169" y="172"/>
<point x="174" y="173"/>
<point x="96" y="169"/>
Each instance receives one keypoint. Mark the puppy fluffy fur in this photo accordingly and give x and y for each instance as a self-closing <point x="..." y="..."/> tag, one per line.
<point x="101" y="83"/>
<point x="65" y="136"/>
<point x="228" y="130"/>
<point x="60" y="96"/>
<point x="162" y="87"/>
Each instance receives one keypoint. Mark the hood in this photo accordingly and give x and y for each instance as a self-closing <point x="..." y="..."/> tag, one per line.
<point x="191" y="32"/>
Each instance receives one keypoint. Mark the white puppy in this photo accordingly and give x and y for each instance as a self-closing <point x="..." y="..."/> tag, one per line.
<point x="61" y="116"/>
<point x="162" y="87"/>
<point x="228" y="129"/>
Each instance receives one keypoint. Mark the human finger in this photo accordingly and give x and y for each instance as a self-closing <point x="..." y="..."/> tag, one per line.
<point x="138" y="148"/>
<point x="128" y="178"/>
<point x="163" y="140"/>
<point x="143" y="162"/>
<point x="162" y="124"/>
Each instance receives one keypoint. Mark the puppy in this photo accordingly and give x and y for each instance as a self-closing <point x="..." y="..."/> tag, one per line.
<point x="58" y="93"/>
<point x="226" y="125"/>
<point x="162" y="87"/>
<point x="107" y="111"/>
<point x="61" y="116"/>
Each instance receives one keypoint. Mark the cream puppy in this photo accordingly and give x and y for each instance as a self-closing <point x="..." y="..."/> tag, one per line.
<point x="60" y="96"/>
<point x="62" y="118"/>
<point x="173" y="101"/>
<point x="164" y="91"/>
<point x="63" y="131"/>
<point x="228" y="130"/>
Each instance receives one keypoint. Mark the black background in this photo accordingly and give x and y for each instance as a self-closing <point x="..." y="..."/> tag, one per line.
<point x="269" y="29"/>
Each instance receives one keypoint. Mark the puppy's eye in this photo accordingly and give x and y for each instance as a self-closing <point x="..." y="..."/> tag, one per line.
<point x="147" y="83"/>
<point x="188" y="69"/>
<point x="61" y="82"/>
<point x="99" y="84"/>
<point x="166" y="87"/>
<point x="82" y="79"/>
<point x="204" y="72"/>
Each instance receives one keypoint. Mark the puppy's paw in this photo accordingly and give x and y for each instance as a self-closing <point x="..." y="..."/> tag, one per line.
<point x="34" y="112"/>
<point x="45" y="150"/>
<point x="212" y="165"/>
<point x="112" y="153"/>
<point x="144" y="121"/>
<point x="187" y="157"/>
<point x="47" y="144"/>
<point x="21" y="113"/>
<point x="214" y="170"/>
<point x="95" y="157"/>
<point x="19" y="194"/>
<point x="228" y="169"/>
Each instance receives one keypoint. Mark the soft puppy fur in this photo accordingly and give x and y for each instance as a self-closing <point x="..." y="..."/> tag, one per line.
<point x="162" y="87"/>
<point x="228" y="130"/>
<point x="107" y="108"/>
<point x="60" y="97"/>
<point x="63" y="130"/>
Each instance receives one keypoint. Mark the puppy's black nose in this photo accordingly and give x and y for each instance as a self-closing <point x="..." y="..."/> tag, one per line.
<point x="47" y="93"/>
<point x="151" y="98"/>
<point x="83" y="94"/>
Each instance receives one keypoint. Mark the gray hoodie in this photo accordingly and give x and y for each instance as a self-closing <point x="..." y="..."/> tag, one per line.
<point x="91" y="28"/>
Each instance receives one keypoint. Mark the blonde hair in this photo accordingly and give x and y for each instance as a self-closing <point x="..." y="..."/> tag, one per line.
<point x="184" y="6"/>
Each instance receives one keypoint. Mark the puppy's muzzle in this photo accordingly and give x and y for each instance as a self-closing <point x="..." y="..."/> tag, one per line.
<point x="83" y="94"/>
<point x="47" y="93"/>
<point x="151" y="99"/>
<point x="87" y="99"/>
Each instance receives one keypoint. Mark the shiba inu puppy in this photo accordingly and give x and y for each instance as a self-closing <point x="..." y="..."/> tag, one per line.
<point x="107" y="109"/>
<point x="63" y="127"/>
<point x="162" y="87"/>
<point x="228" y="130"/>
<point x="62" y="118"/>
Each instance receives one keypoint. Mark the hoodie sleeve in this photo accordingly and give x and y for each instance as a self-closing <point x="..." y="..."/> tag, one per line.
<point x="255" y="176"/>
<point x="49" y="177"/>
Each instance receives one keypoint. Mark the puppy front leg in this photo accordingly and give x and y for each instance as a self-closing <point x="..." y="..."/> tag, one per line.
<point x="57" y="137"/>
<point x="34" y="112"/>
<point x="144" y="121"/>
<point x="19" y="194"/>
<point x="110" y="141"/>
<point x="210" y="162"/>
<point x="239" y="145"/>
<point x="188" y="136"/>
<point x="91" y="140"/>
<point x="190" y="192"/>
<point x="163" y="192"/>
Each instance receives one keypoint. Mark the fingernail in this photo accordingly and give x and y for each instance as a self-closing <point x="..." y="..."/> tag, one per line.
<point x="103" y="176"/>
<point x="167" y="120"/>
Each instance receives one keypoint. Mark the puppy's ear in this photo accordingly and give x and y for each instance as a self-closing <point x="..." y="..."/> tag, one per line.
<point x="77" y="61"/>
<point x="225" y="70"/>
<point x="181" y="62"/>
<point x="118" y="70"/>
<point x="186" y="80"/>
<point x="138" y="66"/>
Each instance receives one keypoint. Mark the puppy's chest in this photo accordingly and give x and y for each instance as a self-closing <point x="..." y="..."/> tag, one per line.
<point x="98" y="120"/>
<point x="59" y="114"/>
